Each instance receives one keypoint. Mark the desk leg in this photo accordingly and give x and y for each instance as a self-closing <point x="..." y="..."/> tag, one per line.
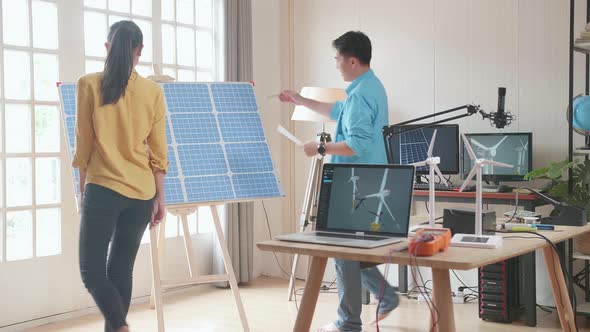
<point x="560" y="292"/>
<point x="310" y="294"/>
<point x="441" y="292"/>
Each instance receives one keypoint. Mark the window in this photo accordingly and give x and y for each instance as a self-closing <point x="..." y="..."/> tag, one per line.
<point x="99" y="15"/>
<point x="188" y="47"/>
<point x="30" y="134"/>
<point x="30" y="160"/>
<point x="199" y="222"/>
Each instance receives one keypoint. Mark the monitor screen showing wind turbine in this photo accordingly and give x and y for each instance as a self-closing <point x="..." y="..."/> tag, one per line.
<point x="409" y="144"/>
<point x="511" y="148"/>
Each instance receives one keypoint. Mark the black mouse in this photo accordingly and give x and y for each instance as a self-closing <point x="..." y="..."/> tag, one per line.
<point x="505" y="189"/>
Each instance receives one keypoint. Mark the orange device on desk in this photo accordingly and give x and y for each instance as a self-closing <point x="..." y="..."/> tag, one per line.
<point x="429" y="241"/>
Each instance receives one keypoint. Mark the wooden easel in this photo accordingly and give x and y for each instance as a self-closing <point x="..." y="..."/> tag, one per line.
<point x="157" y="251"/>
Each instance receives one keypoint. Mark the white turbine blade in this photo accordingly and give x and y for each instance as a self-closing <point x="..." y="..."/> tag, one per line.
<point x="439" y="173"/>
<point x="496" y="163"/>
<point x="498" y="144"/>
<point x="379" y="208"/>
<point x="526" y="146"/>
<point x="468" y="147"/>
<point x="384" y="180"/>
<point x="469" y="177"/>
<point x="419" y="164"/>
<point x="372" y="195"/>
<point x="387" y="207"/>
<point x="432" y="143"/>
<point x="479" y="145"/>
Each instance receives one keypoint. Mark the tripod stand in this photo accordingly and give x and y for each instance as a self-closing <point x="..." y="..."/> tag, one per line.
<point x="310" y="202"/>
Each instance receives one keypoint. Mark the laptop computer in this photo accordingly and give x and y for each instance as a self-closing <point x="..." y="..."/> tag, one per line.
<point x="361" y="205"/>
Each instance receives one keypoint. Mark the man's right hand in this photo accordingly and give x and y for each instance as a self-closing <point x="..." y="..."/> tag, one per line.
<point x="289" y="96"/>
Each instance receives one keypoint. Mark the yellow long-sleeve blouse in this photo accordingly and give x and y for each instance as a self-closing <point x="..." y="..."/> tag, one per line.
<point x="121" y="145"/>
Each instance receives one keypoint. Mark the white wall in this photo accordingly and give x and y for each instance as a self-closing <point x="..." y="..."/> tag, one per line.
<point x="269" y="22"/>
<point x="433" y="55"/>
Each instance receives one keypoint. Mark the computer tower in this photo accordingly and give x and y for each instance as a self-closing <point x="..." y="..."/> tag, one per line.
<point x="498" y="291"/>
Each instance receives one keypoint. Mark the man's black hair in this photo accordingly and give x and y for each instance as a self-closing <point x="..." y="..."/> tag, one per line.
<point x="354" y="44"/>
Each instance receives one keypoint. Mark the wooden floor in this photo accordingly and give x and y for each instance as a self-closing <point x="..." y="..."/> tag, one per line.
<point x="206" y="308"/>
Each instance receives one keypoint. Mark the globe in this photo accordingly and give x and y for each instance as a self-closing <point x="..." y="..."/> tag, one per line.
<point x="581" y="121"/>
<point x="582" y="114"/>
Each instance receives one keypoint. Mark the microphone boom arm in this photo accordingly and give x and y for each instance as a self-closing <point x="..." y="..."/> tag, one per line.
<point x="471" y="110"/>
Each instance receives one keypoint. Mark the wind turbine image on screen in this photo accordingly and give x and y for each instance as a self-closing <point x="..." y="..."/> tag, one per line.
<point x="522" y="151"/>
<point x="487" y="152"/>
<point x="358" y="202"/>
<point x="217" y="148"/>
<point x="414" y="148"/>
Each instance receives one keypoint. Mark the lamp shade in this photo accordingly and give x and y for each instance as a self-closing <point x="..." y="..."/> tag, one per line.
<point x="326" y="95"/>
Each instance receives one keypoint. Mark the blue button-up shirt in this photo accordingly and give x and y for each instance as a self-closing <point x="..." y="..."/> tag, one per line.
<point x="360" y="119"/>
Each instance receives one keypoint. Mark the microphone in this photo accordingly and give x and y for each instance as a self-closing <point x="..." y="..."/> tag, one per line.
<point x="501" y="100"/>
<point x="501" y="118"/>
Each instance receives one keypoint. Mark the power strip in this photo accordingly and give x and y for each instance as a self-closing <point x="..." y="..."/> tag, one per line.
<point x="455" y="299"/>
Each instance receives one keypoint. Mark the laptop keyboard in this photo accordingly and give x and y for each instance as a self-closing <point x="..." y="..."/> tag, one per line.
<point x="350" y="236"/>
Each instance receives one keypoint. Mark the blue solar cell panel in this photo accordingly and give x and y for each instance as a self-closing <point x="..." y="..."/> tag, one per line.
<point x="248" y="158"/>
<point x="173" y="166"/>
<point x="241" y="127"/>
<point x="234" y="97"/>
<point x="414" y="148"/>
<point x="187" y="98"/>
<point x="202" y="159"/>
<point x="209" y="188"/>
<point x="194" y="128"/>
<point x="199" y="157"/>
<point x="255" y="185"/>
<point x="173" y="192"/>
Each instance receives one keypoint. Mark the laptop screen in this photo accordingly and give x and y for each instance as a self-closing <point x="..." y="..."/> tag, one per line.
<point x="374" y="199"/>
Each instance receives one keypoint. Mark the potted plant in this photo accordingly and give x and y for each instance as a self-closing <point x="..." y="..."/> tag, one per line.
<point x="557" y="188"/>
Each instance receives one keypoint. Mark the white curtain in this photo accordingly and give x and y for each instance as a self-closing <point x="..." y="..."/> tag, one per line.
<point x="238" y="223"/>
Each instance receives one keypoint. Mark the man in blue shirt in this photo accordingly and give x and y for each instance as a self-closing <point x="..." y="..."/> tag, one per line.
<point x="358" y="139"/>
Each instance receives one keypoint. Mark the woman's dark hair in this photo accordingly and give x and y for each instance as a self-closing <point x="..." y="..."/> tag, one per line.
<point x="354" y="44"/>
<point x="124" y="37"/>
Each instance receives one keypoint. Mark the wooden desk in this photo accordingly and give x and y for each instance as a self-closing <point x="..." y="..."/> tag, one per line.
<point x="454" y="258"/>
<point x="527" y="262"/>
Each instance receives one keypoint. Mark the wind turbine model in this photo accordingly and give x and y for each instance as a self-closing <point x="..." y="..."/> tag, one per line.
<point x="376" y="225"/>
<point x="478" y="240"/>
<point x="491" y="151"/>
<point x="354" y="179"/>
<point x="521" y="155"/>
<point x="432" y="163"/>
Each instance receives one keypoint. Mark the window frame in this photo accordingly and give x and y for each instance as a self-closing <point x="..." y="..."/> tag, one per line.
<point x="33" y="155"/>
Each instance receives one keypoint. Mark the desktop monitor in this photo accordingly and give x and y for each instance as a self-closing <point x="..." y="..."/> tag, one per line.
<point x="515" y="149"/>
<point x="409" y="144"/>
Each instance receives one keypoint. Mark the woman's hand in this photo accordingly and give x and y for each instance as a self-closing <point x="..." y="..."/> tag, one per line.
<point x="158" y="211"/>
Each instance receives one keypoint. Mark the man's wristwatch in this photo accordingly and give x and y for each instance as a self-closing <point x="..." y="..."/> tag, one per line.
<point x="322" y="148"/>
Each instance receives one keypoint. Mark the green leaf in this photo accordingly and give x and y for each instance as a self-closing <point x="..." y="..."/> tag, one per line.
<point x="559" y="191"/>
<point x="539" y="173"/>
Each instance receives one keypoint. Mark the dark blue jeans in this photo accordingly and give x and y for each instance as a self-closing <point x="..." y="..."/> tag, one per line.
<point x="109" y="217"/>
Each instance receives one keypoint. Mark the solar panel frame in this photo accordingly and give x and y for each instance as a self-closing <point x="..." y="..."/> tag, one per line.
<point x="217" y="148"/>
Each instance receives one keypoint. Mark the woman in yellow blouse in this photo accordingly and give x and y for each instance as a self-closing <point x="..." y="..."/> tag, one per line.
<point x="121" y="153"/>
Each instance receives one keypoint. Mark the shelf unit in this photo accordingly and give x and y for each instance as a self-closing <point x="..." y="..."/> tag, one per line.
<point x="582" y="278"/>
